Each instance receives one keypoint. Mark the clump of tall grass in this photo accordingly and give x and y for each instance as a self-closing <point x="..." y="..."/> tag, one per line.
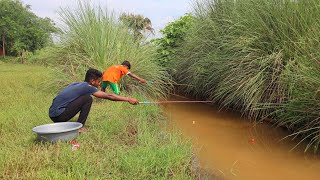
<point x="251" y="54"/>
<point x="301" y="111"/>
<point x="94" y="37"/>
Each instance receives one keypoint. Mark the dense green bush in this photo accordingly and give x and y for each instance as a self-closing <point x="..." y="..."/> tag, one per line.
<point x="173" y="36"/>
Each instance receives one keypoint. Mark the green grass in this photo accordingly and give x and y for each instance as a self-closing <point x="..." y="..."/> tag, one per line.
<point x="11" y="59"/>
<point x="124" y="142"/>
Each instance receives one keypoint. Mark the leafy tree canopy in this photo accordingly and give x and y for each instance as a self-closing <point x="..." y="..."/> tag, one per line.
<point x="173" y="35"/>
<point x="137" y="23"/>
<point x="22" y="29"/>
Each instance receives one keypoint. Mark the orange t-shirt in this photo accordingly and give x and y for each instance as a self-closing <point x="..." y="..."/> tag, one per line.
<point x="114" y="73"/>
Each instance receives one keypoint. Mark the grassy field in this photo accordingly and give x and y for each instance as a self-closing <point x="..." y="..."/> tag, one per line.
<point x="123" y="142"/>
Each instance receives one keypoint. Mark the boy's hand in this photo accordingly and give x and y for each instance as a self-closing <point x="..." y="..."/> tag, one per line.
<point x="143" y="81"/>
<point x="133" y="101"/>
<point x="149" y="82"/>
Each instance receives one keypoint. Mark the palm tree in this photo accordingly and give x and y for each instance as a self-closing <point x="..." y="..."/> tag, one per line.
<point x="137" y="23"/>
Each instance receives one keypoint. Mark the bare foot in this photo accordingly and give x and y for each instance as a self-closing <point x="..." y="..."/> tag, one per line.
<point x="83" y="130"/>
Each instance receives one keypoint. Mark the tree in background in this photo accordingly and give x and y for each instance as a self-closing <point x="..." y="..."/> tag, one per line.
<point x="173" y="35"/>
<point x="137" y="23"/>
<point x="22" y="29"/>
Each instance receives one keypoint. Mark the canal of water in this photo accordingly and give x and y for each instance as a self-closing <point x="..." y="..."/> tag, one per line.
<point x="232" y="147"/>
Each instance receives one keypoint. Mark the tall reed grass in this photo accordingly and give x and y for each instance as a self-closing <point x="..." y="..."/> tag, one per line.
<point x="258" y="56"/>
<point x="92" y="36"/>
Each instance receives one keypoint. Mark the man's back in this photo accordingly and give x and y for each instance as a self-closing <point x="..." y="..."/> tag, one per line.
<point x="68" y="94"/>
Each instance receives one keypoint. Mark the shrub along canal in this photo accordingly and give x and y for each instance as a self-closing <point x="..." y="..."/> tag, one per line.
<point x="230" y="146"/>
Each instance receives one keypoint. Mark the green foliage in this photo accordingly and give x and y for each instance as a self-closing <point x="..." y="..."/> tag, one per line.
<point x="173" y="36"/>
<point x="11" y="59"/>
<point x="257" y="56"/>
<point x="137" y="24"/>
<point x="40" y="56"/>
<point x="22" y="29"/>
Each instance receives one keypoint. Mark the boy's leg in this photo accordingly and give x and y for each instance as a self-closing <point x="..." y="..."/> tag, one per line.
<point x="115" y="88"/>
<point x="82" y="104"/>
<point x="104" y="85"/>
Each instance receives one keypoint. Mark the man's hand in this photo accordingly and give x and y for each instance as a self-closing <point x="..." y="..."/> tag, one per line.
<point x="133" y="101"/>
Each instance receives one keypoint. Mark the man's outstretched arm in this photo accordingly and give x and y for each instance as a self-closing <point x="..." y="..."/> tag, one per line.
<point x="114" y="97"/>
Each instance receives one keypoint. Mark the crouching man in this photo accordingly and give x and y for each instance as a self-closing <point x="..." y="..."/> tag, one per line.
<point x="77" y="98"/>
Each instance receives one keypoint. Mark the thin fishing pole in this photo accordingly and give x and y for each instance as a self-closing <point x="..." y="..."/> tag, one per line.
<point x="166" y="102"/>
<point x="179" y="96"/>
<point x="168" y="83"/>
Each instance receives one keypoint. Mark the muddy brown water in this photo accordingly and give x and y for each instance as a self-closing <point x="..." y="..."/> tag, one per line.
<point x="224" y="145"/>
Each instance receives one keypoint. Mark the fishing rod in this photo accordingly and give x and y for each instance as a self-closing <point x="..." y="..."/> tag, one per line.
<point x="166" y="102"/>
<point x="169" y="83"/>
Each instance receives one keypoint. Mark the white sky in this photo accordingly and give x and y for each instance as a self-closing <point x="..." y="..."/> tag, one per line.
<point x="160" y="12"/>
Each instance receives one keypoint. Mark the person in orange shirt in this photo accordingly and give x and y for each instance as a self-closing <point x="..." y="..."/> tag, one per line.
<point x="113" y="74"/>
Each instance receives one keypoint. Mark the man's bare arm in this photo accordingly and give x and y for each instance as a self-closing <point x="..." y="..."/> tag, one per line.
<point x="114" y="97"/>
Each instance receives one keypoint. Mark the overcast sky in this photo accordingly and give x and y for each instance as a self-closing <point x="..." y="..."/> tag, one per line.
<point x="160" y="12"/>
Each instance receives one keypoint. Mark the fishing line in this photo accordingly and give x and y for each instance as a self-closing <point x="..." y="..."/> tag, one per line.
<point x="251" y="134"/>
<point x="165" y="102"/>
<point x="169" y="83"/>
<point x="179" y="96"/>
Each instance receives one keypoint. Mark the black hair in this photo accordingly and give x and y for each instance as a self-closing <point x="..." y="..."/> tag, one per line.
<point x="126" y="63"/>
<point x="92" y="74"/>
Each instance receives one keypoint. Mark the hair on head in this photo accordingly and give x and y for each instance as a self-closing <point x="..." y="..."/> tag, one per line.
<point x="92" y="74"/>
<point x="126" y="63"/>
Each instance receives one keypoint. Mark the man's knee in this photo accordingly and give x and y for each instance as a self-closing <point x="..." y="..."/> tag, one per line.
<point x="87" y="98"/>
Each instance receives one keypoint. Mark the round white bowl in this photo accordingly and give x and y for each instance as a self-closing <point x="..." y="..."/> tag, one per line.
<point x="63" y="131"/>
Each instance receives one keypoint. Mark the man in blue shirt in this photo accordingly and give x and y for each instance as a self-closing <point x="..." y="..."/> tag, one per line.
<point x="77" y="98"/>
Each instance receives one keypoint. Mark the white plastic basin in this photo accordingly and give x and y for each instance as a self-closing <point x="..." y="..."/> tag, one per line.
<point x="64" y="131"/>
